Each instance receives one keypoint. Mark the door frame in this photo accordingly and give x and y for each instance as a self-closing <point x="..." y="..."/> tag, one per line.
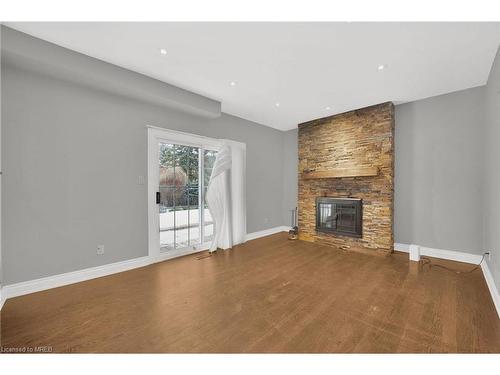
<point x="155" y="136"/>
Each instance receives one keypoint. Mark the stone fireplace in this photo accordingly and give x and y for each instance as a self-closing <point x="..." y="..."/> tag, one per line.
<point x="346" y="180"/>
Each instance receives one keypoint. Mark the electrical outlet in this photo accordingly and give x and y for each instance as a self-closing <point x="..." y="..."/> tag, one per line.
<point x="100" y="249"/>
<point x="141" y="180"/>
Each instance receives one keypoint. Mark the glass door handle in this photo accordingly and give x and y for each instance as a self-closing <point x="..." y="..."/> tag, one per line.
<point x="157" y="197"/>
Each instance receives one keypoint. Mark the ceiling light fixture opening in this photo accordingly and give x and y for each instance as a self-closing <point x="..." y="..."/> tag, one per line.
<point x="382" y="67"/>
<point x="233" y="83"/>
<point x="163" y="51"/>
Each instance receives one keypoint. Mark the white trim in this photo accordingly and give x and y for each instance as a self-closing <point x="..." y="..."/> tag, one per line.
<point x="402" y="247"/>
<point x="266" y="232"/>
<point x="32" y="286"/>
<point x="187" y="139"/>
<point x="457" y="256"/>
<point x="495" y="296"/>
<point x="153" y="177"/>
<point x="414" y="253"/>
<point x="171" y="254"/>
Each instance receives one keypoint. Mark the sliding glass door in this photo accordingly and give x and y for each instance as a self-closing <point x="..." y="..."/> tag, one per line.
<point x="184" y="219"/>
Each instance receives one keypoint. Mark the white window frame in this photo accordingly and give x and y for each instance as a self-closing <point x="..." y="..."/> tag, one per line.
<point x="155" y="136"/>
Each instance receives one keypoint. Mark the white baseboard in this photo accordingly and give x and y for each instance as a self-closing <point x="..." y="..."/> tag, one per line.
<point x="266" y="232"/>
<point x="44" y="283"/>
<point x="460" y="257"/>
<point x="451" y="255"/>
<point x="457" y="256"/>
<point x="495" y="296"/>
<point x="402" y="247"/>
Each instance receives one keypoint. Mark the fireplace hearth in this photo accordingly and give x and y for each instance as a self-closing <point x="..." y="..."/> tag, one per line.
<point x="341" y="216"/>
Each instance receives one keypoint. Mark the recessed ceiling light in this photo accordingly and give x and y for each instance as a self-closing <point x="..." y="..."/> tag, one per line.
<point x="233" y="83"/>
<point x="382" y="67"/>
<point x="327" y="108"/>
<point x="163" y="51"/>
<point x="277" y="104"/>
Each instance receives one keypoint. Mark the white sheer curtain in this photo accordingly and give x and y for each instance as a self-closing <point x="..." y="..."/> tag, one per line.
<point x="226" y="196"/>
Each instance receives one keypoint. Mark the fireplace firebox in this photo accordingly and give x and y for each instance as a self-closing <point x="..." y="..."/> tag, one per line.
<point x="341" y="216"/>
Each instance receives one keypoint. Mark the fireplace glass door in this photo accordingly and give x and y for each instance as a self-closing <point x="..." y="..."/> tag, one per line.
<point x="341" y="216"/>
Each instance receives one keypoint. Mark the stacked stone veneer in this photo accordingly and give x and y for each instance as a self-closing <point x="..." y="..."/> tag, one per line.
<point x="364" y="137"/>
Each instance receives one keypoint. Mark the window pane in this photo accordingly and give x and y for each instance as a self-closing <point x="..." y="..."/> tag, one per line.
<point x="167" y="189"/>
<point x="179" y="187"/>
<point x="193" y="215"/>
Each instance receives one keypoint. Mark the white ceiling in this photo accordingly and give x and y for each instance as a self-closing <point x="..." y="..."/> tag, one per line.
<point x="305" y="67"/>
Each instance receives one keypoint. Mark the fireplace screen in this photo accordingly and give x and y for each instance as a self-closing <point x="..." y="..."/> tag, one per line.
<point x="339" y="215"/>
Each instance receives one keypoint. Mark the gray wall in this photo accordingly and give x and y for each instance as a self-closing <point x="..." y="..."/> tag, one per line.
<point x="72" y="156"/>
<point x="290" y="176"/>
<point x="27" y="52"/>
<point x="438" y="171"/>
<point x="491" y="203"/>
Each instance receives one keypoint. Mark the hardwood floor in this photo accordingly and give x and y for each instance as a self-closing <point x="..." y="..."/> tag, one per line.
<point x="268" y="295"/>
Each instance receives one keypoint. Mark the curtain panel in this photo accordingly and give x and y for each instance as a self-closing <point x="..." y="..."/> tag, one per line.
<point x="226" y="195"/>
